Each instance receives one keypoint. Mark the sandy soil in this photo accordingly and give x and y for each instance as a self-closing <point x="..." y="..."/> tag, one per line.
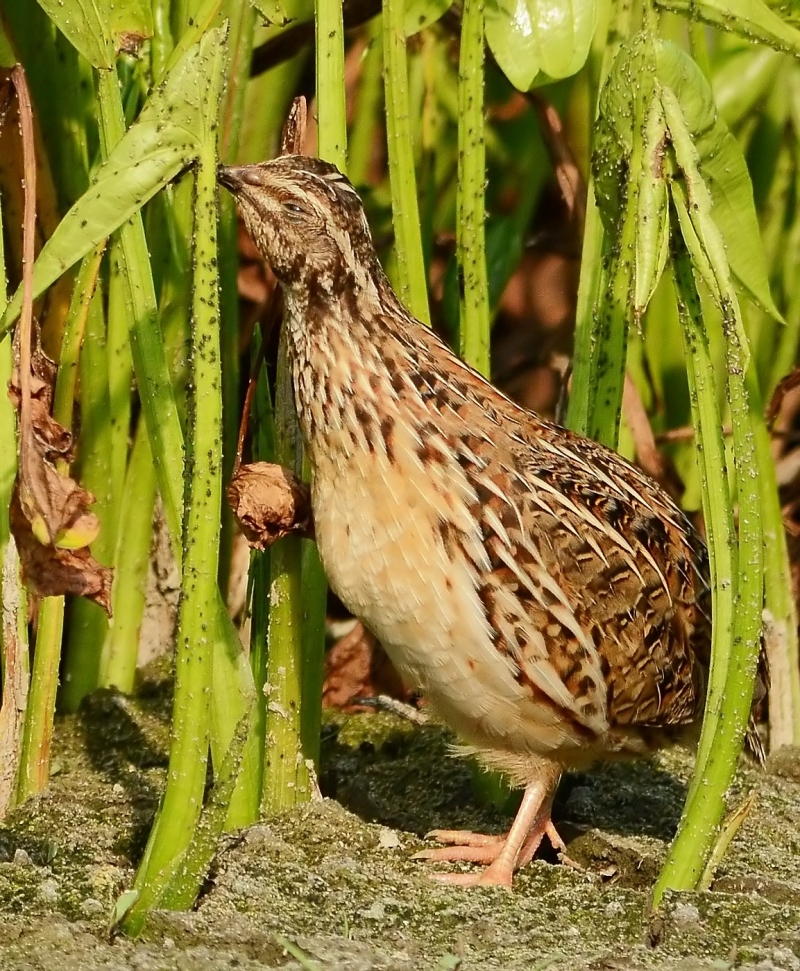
<point x="331" y="885"/>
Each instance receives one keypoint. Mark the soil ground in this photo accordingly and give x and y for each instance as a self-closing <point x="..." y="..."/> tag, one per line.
<point x="331" y="885"/>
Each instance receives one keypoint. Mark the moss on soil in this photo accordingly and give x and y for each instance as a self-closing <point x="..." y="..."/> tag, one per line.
<point x="335" y="878"/>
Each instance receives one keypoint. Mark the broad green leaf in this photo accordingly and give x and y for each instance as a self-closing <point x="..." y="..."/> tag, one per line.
<point x="129" y="22"/>
<point x="700" y="230"/>
<point x="645" y="71"/>
<point x="744" y="79"/>
<point x="691" y="240"/>
<point x="83" y="24"/>
<point x="722" y="168"/>
<point x="422" y="13"/>
<point x="535" y="41"/>
<point x="752" y="19"/>
<point x="100" y="28"/>
<point x="154" y="150"/>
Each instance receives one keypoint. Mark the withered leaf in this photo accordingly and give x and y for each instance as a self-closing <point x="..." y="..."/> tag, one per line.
<point x="54" y="504"/>
<point x="49" y="514"/>
<point x="52" y="571"/>
<point x="54" y="440"/>
<point x="784" y="386"/>
<point x="269" y="503"/>
<point x="357" y="666"/>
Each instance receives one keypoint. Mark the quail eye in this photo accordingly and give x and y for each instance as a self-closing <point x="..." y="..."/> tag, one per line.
<point x="293" y="209"/>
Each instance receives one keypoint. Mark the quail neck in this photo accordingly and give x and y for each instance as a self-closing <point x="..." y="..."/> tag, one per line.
<point x="548" y="598"/>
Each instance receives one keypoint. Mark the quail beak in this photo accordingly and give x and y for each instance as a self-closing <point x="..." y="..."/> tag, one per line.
<point x="236" y="177"/>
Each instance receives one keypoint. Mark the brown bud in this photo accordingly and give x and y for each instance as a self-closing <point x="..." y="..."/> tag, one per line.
<point x="269" y="503"/>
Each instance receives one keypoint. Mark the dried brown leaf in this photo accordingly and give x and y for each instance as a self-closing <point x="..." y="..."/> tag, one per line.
<point x="52" y="571"/>
<point x="784" y="386"/>
<point x="293" y="135"/>
<point x="269" y="503"/>
<point x="54" y="504"/>
<point x="358" y="667"/>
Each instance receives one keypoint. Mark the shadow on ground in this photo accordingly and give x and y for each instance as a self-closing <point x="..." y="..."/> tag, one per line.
<point x="331" y="885"/>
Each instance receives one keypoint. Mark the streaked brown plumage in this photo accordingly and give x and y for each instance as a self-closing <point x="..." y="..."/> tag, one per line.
<point x="549" y="599"/>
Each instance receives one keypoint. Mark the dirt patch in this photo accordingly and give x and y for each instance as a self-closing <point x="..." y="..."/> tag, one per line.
<point x="331" y="885"/>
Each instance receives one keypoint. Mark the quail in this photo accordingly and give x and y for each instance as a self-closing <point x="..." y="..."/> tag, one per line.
<point x="549" y="600"/>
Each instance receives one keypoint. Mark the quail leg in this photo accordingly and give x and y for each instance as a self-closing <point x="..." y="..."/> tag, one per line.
<point x="501" y="854"/>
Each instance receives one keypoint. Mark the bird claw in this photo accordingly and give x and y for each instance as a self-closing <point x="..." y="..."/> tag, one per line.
<point x="486" y="849"/>
<point x="464" y="837"/>
<point x="459" y="854"/>
<point x="500" y="878"/>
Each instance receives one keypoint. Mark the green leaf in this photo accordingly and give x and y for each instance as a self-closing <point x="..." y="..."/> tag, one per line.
<point x="422" y="13"/>
<point x="752" y="19"/>
<point x="630" y="180"/>
<point x="631" y="80"/>
<point x="648" y="72"/>
<point x="743" y="80"/>
<point x="652" y="227"/>
<point x="722" y="168"/>
<point x="122" y="905"/>
<point x="97" y="29"/>
<point x="84" y="25"/>
<point x="699" y="228"/>
<point x="129" y="22"/>
<point x="162" y="143"/>
<point x="284" y="13"/>
<point x="536" y="41"/>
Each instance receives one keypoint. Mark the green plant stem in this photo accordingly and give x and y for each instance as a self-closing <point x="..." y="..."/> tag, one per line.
<point x="473" y="284"/>
<point x="286" y="776"/>
<point x="411" y="275"/>
<point x="120" y="376"/>
<point x="161" y="43"/>
<point x="331" y="108"/>
<point x="780" y="612"/>
<point x="686" y="859"/>
<point x="593" y="279"/>
<point x="233" y="700"/>
<point x="14" y="663"/>
<point x="161" y="873"/>
<point x="132" y="556"/>
<point x="119" y="365"/>
<point x="263" y="444"/>
<point x="241" y="20"/>
<point x="738" y="597"/>
<point x="587" y="324"/>
<point x="34" y="771"/>
<point x="613" y="315"/>
<point x="313" y="579"/>
<point x="14" y="653"/>
<point x="147" y="343"/>
<point x="88" y="623"/>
